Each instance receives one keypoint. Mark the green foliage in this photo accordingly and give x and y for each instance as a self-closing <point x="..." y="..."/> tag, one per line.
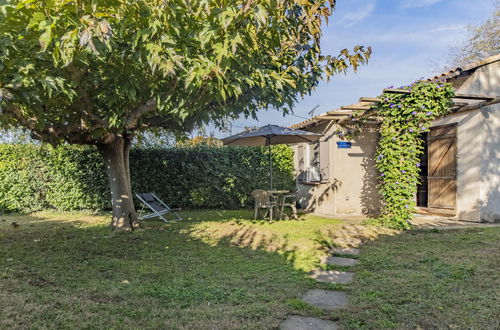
<point x="405" y="117"/>
<point x="83" y="71"/>
<point x="73" y="177"/>
<point x="201" y="140"/>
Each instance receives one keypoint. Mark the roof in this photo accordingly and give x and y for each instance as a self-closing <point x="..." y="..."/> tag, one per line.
<point x="345" y="112"/>
<point x="468" y="67"/>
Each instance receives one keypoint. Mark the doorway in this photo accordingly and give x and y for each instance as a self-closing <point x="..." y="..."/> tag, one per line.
<point x="422" y="182"/>
<point x="437" y="188"/>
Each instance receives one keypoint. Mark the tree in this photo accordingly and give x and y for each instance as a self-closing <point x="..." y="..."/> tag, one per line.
<point x="483" y="40"/>
<point x="99" y="71"/>
<point x="153" y="139"/>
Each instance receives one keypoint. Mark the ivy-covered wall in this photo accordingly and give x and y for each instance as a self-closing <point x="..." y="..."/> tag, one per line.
<point x="73" y="177"/>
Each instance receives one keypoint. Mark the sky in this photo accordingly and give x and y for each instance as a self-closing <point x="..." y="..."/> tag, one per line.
<point x="409" y="38"/>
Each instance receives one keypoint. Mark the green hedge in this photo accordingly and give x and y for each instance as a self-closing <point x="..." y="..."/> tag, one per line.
<point x="73" y="177"/>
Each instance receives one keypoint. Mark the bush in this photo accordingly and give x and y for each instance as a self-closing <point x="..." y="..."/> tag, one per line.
<point x="73" y="177"/>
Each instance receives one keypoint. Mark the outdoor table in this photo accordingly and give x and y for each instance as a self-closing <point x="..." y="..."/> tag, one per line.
<point x="277" y="194"/>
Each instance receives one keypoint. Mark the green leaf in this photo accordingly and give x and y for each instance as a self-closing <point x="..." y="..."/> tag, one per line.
<point x="45" y="38"/>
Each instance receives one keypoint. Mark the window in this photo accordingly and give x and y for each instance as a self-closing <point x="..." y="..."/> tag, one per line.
<point x="313" y="162"/>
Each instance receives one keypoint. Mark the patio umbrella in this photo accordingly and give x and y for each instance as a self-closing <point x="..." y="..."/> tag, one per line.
<point x="269" y="135"/>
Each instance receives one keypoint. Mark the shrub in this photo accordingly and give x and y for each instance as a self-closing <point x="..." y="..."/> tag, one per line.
<point x="73" y="177"/>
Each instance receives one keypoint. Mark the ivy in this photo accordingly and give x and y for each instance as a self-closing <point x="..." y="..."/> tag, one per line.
<point x="405" y="116"/>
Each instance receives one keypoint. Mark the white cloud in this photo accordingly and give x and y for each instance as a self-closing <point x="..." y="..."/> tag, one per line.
<point x="419" y="3"/>
<point x="433" y="36"/>
<point x="353" y="17"/>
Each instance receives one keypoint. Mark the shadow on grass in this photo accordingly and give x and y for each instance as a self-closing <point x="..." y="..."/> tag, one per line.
<point x="70" y="270"/>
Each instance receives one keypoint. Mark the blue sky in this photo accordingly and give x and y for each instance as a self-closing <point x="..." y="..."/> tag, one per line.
<point x="409" y="38"/>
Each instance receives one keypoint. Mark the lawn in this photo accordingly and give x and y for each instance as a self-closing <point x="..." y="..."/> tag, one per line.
<point x="222" y="270"/>
<point x="68" y="270"/>
<point x="433" y="279"/>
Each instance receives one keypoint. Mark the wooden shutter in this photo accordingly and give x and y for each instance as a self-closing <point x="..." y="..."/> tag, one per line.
<point x="324" y="160"/>
<point x="442" y="181"/>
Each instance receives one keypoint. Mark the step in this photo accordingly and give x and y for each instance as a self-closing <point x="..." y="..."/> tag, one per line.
<point x="345" y="251"/>
<point x="296" y="322"/>
<point x="339" y="261"/>
<point x="332" y="276"/>
<point x="325" y="299"/>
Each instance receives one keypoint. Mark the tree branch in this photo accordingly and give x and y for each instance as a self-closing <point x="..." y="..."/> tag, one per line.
<point x="134" y="116"/>
<point x="168" y="123"/>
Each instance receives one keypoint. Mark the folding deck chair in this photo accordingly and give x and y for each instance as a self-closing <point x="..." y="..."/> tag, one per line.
<point x="158" y="208"/>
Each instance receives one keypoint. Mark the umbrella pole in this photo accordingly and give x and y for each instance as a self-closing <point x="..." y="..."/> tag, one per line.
<point x="270" y="168"/>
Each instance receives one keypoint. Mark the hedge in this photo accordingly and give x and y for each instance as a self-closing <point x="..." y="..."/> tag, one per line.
<point x="73" y="177"/>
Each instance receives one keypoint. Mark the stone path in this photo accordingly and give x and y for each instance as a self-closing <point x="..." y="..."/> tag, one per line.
<point x="344" y="251"/>
<point x="295" y="322"/>
<point x="332" y="276"/>
<point x="340" y="261"/>
<point x="325" y="299"/>
<point x="328" y="299"/>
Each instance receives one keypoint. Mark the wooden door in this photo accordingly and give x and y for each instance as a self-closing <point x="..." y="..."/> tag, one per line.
<point x="442" y="181"/>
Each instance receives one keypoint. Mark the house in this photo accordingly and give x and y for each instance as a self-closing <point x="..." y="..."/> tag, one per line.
<point x="460" y="172"/>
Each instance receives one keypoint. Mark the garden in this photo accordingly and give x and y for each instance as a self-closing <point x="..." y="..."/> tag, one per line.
<point x="87" y="79"/>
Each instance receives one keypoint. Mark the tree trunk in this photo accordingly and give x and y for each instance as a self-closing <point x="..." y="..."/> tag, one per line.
<point x="116" y="160"/>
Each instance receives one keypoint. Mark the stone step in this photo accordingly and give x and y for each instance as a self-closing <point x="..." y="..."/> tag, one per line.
<point x="325" y="299"/>
<point x="296" y="322"/>
<point x="345" y="251"/>
<point x="332" y="276"/>
<point x="339" y="261"/>
<point x="348" y="241"/>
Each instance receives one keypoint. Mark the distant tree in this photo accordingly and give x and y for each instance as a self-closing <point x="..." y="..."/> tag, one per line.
<point x="153" y="139"/>
<point x="482" y="40"/>
<point x="16" y="136"/>
<point x="201" y="140"/>
<point x="99" y="71"/>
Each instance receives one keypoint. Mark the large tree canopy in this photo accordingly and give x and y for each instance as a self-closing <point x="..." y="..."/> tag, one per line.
<point x="96" y="71"/>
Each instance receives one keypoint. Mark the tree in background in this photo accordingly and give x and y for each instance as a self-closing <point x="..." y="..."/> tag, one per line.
<point x="154" y="139"/>
<point x="483" y="40"/>
<point x="16" y="135"/>
<point x="98" y="72"/>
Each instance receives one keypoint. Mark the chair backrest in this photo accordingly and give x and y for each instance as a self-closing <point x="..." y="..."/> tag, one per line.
<point x="153" y="202"/>
<point x="147" y="197"/>
<point x="262" y="197"/>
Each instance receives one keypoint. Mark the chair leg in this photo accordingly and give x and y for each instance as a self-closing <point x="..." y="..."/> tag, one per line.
<point x="256" y="211"/>
<point x="294" y="211"/>
<point x="271" y="213"/>
<point x="161" y="217"/>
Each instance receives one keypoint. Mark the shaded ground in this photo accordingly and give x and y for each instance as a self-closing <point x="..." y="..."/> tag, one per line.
<point x="432" y="279"/>
<point x="68" y="270"/>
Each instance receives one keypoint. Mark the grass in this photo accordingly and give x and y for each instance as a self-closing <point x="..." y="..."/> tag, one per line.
<point x="69" y="271"/>
<point x="431" y="279"/>
<point x="221" y="270"/>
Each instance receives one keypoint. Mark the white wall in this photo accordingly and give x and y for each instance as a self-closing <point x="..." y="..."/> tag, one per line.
<point x="478" y="147"/>
<point x="351" y="188"/>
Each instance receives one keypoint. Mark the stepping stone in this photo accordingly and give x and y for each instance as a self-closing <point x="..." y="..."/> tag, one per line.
<point x="332" y="276"/>
<point x="295" y="322"/>
<point x="348" y="241"/>
<point x="344" y="250"/>
<point x="339" y="261"/>
<point x="325" y="299"/>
